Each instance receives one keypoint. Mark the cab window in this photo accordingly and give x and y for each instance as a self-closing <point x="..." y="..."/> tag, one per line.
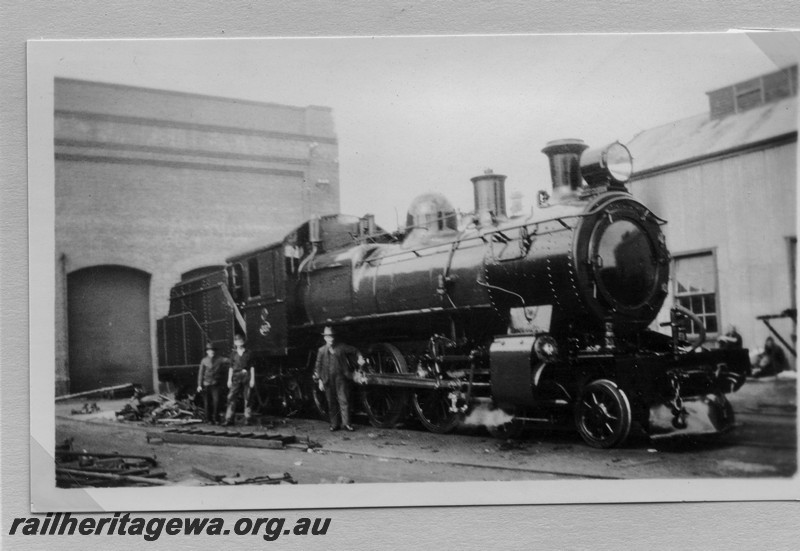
<point x="235" y="282"/>
<point x="253" y="277"/>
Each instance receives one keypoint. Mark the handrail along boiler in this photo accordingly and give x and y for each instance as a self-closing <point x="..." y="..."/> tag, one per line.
<point x="513" y="320"/>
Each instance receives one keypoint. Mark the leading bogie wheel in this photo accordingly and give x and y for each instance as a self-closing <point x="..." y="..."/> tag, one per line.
<point x="603" y="414"/>
<point x="384" y="406"/>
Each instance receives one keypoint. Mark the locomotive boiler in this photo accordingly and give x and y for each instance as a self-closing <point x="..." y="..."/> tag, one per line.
<point x="498" y="320"/>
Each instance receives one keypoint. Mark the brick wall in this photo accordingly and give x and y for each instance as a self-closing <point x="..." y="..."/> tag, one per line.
<point x="166" y="182"/>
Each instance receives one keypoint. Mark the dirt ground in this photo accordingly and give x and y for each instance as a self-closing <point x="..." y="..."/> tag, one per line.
<point x="764" y="444"/>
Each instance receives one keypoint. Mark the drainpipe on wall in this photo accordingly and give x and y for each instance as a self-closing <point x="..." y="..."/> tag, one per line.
<point x="62" y="346"/>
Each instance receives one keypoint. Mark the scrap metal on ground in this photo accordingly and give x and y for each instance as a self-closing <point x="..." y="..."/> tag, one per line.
<point x="81" y="469"/>
<point x="85" y="469"/>
<point x="160" y="408"/>
<point x="237" y="479"/>
<point x="87" y="408"/>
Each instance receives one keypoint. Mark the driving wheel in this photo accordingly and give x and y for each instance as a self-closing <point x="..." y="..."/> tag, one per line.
<point x="433" y="410"/>
<point x="383" y="405"/>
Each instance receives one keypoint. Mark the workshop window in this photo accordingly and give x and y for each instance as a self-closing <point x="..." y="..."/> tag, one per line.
<point x="695" y="287"/>
<point x="253" y="277"/>
<point x="749" y="95"/>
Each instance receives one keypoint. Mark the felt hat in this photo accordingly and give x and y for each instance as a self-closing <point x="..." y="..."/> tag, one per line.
<point x="328" y="331"/>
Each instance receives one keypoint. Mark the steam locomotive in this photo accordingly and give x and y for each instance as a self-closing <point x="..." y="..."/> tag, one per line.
<point x="539" y="319"/>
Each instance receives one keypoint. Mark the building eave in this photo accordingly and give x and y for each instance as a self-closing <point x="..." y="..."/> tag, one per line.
<point x="774" y="141"/>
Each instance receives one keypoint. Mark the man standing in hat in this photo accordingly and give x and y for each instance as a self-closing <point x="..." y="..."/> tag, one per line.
<point x="209" y="382"/>
<point x="333" y="375"/>
<point x="241" y="378"/>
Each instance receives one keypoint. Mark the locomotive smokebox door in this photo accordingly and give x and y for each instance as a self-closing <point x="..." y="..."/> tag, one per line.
<point x="621" y="262"/>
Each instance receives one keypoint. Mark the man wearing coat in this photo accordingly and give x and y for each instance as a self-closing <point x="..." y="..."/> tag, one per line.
<point x="333" y="375"/>
<point x="210" y="382"/>
<point x="241" y="380"/>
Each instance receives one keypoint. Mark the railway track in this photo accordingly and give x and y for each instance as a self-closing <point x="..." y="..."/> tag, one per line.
<point x="763" y="444"/>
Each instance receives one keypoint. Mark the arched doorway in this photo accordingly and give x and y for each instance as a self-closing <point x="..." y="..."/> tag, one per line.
<point x="109" y="327"/>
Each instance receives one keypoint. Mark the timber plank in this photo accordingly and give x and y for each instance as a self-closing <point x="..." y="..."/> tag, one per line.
<point x="209" y="440"/>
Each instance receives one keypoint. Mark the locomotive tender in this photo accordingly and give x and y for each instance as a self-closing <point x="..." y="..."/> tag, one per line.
<point x="507" y="321"/>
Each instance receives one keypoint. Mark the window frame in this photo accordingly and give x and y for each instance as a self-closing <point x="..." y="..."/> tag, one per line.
<point x="253" y="279"/>
<point x="676" y="295"/>
<point x="236" y="281"/>
<point x="743" y="90"/>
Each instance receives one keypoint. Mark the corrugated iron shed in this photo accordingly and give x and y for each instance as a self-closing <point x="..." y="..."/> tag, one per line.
<point x="700" y="137"/>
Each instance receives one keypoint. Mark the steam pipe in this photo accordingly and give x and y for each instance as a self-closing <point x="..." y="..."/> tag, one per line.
<point x="314" y="235"/>
<point x="678" y="309"/>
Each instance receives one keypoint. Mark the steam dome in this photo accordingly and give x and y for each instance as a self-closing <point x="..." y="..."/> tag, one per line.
<point x="431" y="212"/>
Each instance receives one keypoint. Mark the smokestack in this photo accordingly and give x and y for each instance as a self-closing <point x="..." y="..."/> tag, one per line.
<point x="367" y="225"/>
<point x="314" y="230"/>
<point x="565" y="169"/>
<point x="490" y="196"/>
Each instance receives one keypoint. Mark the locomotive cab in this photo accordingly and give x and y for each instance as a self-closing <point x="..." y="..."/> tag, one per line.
<point x="258" y="283"/>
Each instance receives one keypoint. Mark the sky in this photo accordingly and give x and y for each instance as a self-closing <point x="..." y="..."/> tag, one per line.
<point x="419" y="114"/>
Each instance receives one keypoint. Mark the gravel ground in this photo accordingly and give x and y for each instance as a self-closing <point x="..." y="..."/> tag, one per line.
<point x="764" y="444"/>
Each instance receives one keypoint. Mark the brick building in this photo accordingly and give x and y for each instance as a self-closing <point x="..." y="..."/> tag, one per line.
<point x="727" y="183"/>
<point x="150" y="184"/>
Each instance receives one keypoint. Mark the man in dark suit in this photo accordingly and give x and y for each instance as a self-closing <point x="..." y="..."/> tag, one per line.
<point x="241" y="380"/>
<point x="210" y="382"/>
<point x="333" y="375"/>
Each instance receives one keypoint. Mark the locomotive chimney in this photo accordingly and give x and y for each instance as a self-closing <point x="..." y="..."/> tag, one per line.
<point x="314" y="230"/>
<point x="565" y="170"/>
<point x="367" y="225"/>
<point x="490" y="197"/>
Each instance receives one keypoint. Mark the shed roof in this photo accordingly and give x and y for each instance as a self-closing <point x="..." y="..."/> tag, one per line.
<point x="699" y="137"/>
